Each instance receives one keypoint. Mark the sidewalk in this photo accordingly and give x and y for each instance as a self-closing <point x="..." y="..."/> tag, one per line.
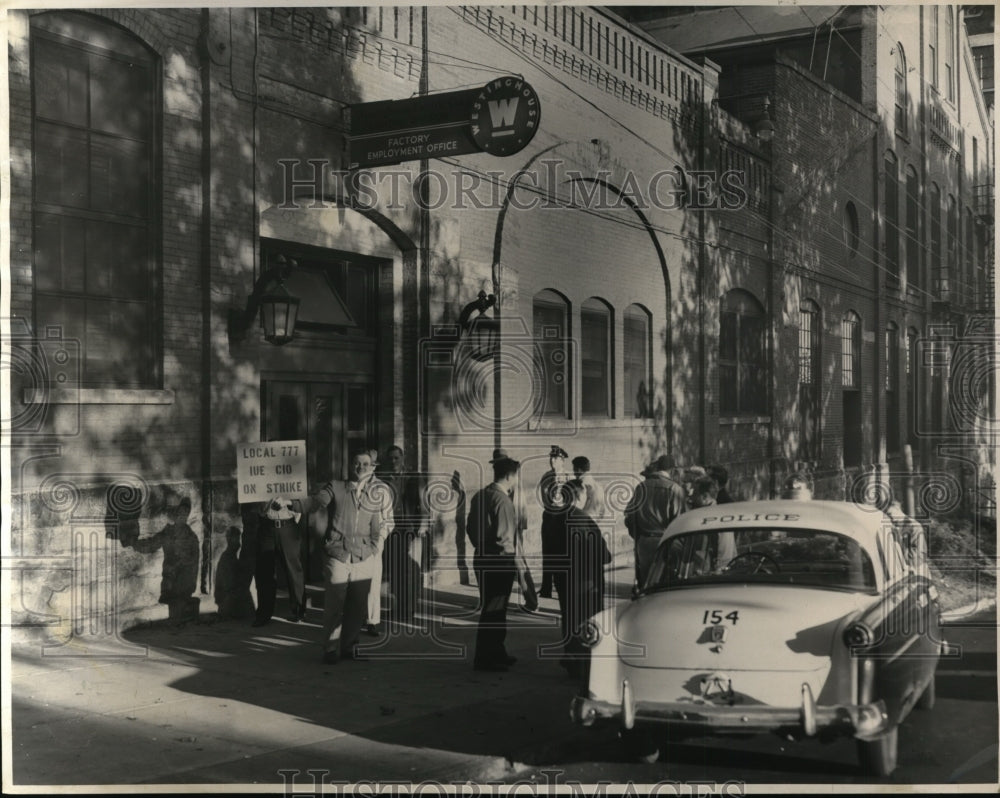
<point x="221" y="702"/>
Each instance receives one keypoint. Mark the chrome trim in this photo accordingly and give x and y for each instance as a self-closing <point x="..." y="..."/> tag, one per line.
<point x="808" y="711"/>
<point x="843" y="719"/>
<point x="628" y="705"/>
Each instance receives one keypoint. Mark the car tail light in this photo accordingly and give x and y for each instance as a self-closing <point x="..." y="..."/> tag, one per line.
<point x="858" y="635"/>
<point x="590" y="634"/>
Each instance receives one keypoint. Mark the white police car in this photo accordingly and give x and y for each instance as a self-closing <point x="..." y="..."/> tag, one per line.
<point x="800" y="618"/>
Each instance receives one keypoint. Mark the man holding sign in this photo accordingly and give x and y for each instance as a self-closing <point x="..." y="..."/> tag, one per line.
<point x="359" y="513"/>
<point x="272" y="479"/>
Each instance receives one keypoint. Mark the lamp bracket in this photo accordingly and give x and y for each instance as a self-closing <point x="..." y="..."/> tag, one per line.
<point x="239" y="322"/>
<point x="482" y="304"/>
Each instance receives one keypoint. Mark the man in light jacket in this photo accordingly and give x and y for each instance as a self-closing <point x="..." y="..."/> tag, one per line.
<point x="359" y="511"/>
<point x="657" y="501"/>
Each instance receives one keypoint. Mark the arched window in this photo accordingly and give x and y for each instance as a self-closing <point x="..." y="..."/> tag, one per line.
<point x="892" y="216"/>
<point x="810" y="379"/>
<point x="951" y="249"/>
<point x="913" y="274"/>
<point x="968" y="261"/>
<point x="902" y="96"/>
<point x="743" y="377"/>
<point x="932" y="47"/>
<point x="949" y="53"/>
<point x="550" y="325"/>
<point x="96" y="195"/>
<point x="638" y="352"/>
<point x="595" y="358"/>
<point x="934" y="210"/>
<point x="892" y="419"/>
<point x="850" y="368"/>
<point x="850" y="229"/>
<point x="912" y="375"/>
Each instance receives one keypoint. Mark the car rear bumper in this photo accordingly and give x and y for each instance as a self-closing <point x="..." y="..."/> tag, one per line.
<point x="860" y="720"/>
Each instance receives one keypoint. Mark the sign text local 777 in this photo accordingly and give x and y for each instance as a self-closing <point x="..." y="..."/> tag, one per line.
<point x="265" y="471"/>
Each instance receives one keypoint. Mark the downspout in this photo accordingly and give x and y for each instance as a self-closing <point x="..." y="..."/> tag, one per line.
<point x="424" y="222"/>
<point x="206" y="307"/>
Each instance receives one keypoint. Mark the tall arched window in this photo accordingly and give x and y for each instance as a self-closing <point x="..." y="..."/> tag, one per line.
<point x="638" y="372"/>
<point x="851" y="231"/>
<point x="914" y="276"/>
<point x="949" y="52"/>
<point x="932" y="47"/>
<point x="550" y="325"/>
<point x="892" y="419"/>
<point x="934" y="209"/>
<point x="892" y="216"/>
<point x="902" y="96"/>
<point x="951" y="249"/>
<point x="96" y="195"/>
<point x="743" y="376"/>
<point x="595" y="358"/>
<point x="810" y="379"/>
<point x="968" y="260"/>
<point x="850" y="369"/>
<point x="912" y="397"/>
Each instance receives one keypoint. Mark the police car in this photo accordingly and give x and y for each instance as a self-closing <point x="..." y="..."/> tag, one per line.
<point x="802" y="618"/>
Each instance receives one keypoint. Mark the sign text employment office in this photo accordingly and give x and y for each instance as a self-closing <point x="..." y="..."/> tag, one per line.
<point x="265" y="471"/>
<point x="500" y="118"/>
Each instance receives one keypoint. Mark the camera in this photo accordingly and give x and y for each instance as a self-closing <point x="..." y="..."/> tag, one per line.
<point x="44" y="373"/>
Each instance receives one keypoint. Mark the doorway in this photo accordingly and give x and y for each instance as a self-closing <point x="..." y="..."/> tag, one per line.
<point x="334" y="419"/>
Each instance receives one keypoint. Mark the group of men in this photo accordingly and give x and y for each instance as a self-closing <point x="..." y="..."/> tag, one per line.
<point x="667" y="491"/>
<point x="370" y="523"/>
<point x="574" y="554"/>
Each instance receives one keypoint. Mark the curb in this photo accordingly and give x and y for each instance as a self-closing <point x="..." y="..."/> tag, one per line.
<point x="960" y="613"/>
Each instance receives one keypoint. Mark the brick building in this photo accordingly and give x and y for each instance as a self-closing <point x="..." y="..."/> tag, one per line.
<point x="163" y="160"/>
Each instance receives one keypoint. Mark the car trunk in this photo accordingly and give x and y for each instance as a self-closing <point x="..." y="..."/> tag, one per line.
<point x="766" y="642"/>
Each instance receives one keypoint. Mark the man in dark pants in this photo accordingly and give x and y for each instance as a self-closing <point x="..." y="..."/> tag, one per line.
<point x="404" y="547"/>
<point x="277" y="539"/>
<point x="587" y="555"/>
<point x="554" y="507"/>
<point x="492" y="528"/>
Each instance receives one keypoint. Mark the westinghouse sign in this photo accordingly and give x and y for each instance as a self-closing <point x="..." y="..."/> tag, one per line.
<point x="265" y="471"/>
<point x="500" y="118"/>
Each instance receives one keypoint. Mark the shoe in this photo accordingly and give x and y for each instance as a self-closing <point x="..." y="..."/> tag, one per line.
<point x="261" y="622"/>
<point x="491" y="667"/>
<point x="297" y="615"/>
<point x="374" y="629"/>
<point x="545" y="594"/>
<point x="509" y="660"/>
<point x="330" y="658"/>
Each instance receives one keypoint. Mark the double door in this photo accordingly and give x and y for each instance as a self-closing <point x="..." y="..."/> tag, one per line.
<point x="334" y="419"/>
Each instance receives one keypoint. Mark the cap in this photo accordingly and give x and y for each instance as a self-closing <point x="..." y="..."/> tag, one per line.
<point x="662" y="463"/>
<point x="558" y="451"/>
<point x="499" y="454"/>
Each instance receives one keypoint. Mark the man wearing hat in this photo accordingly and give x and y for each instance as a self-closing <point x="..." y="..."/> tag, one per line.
<point x="492" y="527"/>
<point x="657" y="501"/>
<point x="554" y="507"/>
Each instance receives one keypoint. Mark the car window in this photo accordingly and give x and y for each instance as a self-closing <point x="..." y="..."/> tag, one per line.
<point x="804" y="557"/>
